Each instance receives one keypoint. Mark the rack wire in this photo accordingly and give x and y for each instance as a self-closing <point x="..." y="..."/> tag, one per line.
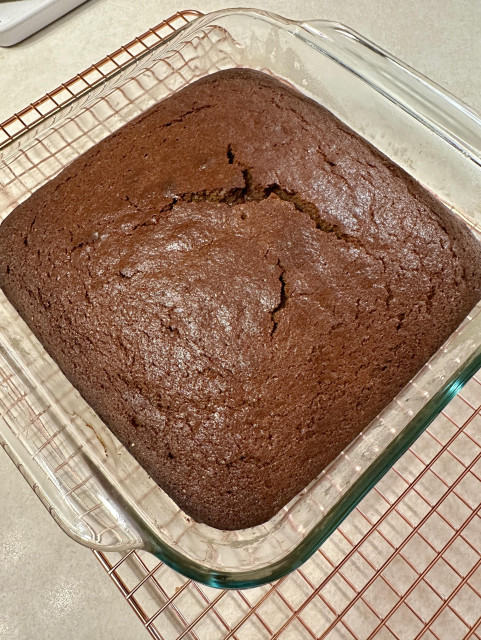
<point x="405" y="564"/>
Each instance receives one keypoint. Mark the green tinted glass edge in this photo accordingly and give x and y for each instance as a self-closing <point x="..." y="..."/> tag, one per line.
<point x="352" y="497"/>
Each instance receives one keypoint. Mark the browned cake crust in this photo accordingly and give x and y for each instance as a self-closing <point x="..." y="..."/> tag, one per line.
<point x="237" y="284"/>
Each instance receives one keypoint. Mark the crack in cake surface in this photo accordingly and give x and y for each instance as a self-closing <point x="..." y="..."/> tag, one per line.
<point x="283" y="298"/>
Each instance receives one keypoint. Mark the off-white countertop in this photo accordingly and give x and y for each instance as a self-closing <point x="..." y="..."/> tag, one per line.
<point x="50" y="587"/>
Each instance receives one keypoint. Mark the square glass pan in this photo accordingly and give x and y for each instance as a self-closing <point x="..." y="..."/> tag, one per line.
<point x="92" y="486"/>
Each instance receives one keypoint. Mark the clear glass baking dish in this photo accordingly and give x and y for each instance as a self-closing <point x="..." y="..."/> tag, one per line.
<point x="91" y="485"/>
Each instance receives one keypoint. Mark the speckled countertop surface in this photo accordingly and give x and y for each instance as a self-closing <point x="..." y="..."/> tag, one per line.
<point x="50" y="587"/>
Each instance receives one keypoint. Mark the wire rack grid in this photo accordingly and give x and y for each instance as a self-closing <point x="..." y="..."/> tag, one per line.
<point x="51" y="102"/>
<point x="405" y="564"/>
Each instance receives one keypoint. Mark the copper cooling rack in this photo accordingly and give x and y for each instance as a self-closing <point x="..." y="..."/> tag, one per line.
<point x="405" y="564"/>
<point x="95" y="74"/>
